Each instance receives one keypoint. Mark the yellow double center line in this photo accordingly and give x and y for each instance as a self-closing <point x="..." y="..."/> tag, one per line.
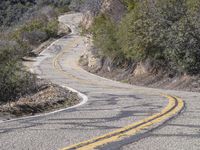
<point x="174" y="106"/>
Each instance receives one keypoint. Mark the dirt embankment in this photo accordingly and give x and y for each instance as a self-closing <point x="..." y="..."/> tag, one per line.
<point x="48" y="97"/>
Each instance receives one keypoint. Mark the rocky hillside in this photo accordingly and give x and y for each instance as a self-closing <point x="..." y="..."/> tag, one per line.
<point x="115" y="9"/>
<point x="151" y="43"/>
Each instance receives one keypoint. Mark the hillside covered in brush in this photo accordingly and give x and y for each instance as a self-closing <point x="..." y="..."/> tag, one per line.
<point x="24" y="25"/>
<point x="156" y="39"/>
<point x="13" y="10"/>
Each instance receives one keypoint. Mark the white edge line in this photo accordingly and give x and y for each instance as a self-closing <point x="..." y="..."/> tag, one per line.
<point x="80" y="95"/>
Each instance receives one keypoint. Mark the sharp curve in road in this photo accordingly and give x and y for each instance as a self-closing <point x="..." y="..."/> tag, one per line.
<point x="111" y="107"/>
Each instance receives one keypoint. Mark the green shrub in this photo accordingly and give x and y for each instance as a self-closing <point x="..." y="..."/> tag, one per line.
<point x="159" y="30"/>
<point x="104" y="34"/>
<point x="140" y="36"/>
<point x="131" y="35"/>
<point x="12" y="11"/>
<point x="130" y="4"/>
<point x="36" y="31"/>
<point x="14" y="80"/>
<point x="52" y="28"/>
<point x="181" y="23"/>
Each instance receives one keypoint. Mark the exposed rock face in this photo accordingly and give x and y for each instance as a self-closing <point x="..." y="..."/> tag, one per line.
<point x="87" y="20"/>
<point x="91" y="8"/>
<point x="90" y="59"/>
<point x="112" y="8"/>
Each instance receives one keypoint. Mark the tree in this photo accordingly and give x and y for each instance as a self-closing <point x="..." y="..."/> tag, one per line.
<point x="104" y="35"/>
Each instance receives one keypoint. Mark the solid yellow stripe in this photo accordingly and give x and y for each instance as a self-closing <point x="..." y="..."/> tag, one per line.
<point x="118" y="135"/>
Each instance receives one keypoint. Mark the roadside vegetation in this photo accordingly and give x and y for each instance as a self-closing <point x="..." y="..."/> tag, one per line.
<point x="24" y="25"/>
<point x="14" y="80"/>
<point x="13" y="11"/>
<point x="165" y="32"/>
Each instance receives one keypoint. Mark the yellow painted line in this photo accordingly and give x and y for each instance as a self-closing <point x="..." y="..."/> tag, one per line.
<point x="174" y="106"/>
<point x="57" y="67"/>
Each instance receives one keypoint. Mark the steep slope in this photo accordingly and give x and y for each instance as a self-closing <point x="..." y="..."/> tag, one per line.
<point x="115" y="9"/>
<point x="142" y="43"/>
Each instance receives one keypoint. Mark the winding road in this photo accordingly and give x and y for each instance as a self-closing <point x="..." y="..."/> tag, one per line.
<point x="112" y="115"/>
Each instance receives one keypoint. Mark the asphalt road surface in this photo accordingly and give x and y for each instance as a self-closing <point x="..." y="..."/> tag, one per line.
<point x="111" y="106"/>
